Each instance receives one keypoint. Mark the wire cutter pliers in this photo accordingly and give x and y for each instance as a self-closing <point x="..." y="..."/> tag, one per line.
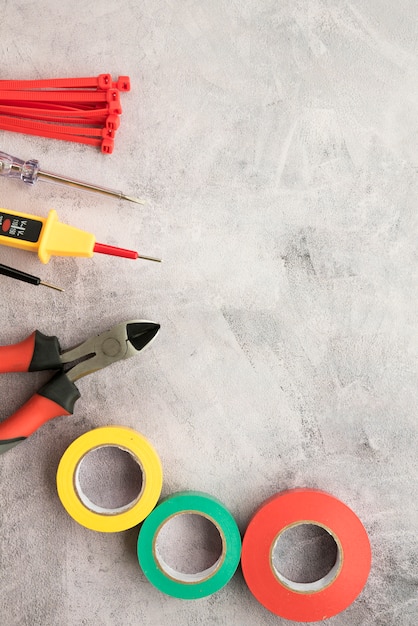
<point x="58" y="396"/>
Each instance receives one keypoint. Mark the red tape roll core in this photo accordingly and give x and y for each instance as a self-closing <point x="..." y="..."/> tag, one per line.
<point x="305" y="602"/>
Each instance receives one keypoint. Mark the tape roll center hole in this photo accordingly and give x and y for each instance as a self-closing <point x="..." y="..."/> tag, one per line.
<point x="108" y="479"/>
<point x="305" y="557"/>
<point x="188" y="547"/>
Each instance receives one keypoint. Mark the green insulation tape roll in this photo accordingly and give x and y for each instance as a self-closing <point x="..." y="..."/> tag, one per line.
<point x="178" y="584"/>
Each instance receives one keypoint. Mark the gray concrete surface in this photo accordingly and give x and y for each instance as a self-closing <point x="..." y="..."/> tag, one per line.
<point x="276" y="143"/>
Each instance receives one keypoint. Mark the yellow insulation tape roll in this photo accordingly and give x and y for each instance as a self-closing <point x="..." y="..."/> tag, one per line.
<point x="81" y="508"/>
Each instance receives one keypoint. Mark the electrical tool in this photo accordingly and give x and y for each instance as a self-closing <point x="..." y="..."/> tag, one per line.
<point x="57" y="397"/>
<point x="49" y="237"/>
<point x="29" y="173"/>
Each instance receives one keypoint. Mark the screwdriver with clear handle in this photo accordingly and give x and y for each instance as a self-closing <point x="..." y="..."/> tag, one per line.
<point x="29" y="173"/>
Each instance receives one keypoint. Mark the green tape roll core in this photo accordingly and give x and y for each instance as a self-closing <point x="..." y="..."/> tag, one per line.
<point x="196" y="503"/>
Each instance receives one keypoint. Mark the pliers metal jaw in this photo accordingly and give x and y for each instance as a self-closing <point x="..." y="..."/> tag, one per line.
<point x="58" y="396"/>
<point x="121" y="342"/>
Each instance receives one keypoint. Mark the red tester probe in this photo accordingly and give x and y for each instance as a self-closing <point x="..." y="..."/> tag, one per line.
<point x="49" y="237"/>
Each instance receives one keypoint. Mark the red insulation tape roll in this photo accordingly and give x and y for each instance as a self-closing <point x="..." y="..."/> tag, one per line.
<point x="305" y="602"/>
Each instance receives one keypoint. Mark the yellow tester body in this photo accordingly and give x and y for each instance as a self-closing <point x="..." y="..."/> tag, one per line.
<point x="44" y="235"/>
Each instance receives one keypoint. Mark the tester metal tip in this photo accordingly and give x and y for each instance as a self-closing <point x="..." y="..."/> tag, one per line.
<point x="50" y="286"/>
<point x="149" y="258"/>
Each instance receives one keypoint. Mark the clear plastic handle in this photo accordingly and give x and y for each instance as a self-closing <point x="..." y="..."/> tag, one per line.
<point x="13" y="167"/>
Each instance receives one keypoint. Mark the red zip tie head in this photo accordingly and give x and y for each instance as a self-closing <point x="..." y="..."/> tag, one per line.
<point x="112" y="97"/>
<point x="112" y="121"/>
<point x="104" y="81"/>
<point x="107" y="145"/>
<point x="123" y="83"/>
<point x="107" y="133"/>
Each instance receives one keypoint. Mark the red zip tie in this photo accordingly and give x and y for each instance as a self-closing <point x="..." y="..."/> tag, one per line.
<point x="19" y="106"/>
<point x="57" y="119"/>
<point x="106" y="145"/>
<point x="102" y="81"/>
<point x="111" y="96"/>
<point x="111" y="120"/>
<point x="76" y="109"/>
<point x="83" y="110"/>
<point x="47" y="114"/>
<point x="89" y="131"/>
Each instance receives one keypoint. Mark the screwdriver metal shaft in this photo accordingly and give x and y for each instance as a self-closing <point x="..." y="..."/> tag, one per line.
<point x="29" y="173"/>
<point x="72" y="182"/>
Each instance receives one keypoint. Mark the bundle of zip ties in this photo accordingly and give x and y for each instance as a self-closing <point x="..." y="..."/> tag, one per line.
<point x="83" y="110"/>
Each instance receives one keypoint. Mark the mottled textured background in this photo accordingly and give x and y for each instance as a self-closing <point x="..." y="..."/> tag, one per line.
<point x="276" y="143"/>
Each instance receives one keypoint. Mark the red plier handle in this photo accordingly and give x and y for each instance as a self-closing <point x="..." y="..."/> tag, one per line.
<point x="35" y="353"/>
<point x="57" y="397"/>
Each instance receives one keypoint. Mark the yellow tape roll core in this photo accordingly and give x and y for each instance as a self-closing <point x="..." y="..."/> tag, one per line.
<point x="94" y="517"/>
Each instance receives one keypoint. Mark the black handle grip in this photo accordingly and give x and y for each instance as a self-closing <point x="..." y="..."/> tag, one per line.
<point x="61" y="390"/>
<point x="46" y="353"/>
